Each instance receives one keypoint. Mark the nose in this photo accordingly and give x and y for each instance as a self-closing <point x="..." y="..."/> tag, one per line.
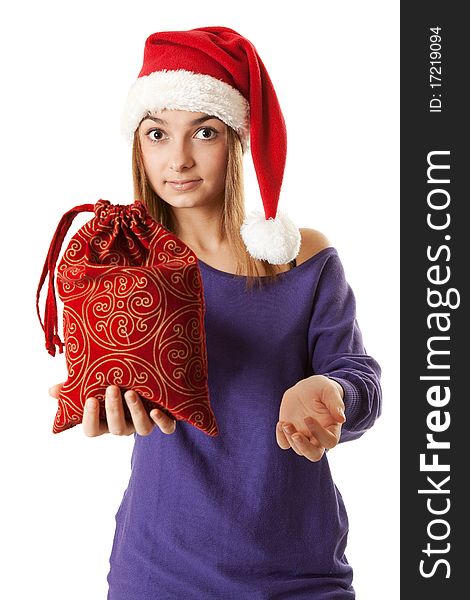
<point x="180" y="157"/>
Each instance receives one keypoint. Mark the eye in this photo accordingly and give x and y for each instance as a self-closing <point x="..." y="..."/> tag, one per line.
<point x="158" y="133"/>
<point x="209" y="133"/>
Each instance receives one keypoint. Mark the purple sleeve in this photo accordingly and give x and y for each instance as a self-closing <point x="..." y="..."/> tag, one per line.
<point x="338" y="352"/>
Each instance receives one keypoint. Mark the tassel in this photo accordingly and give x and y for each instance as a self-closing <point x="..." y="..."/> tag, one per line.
<point x="50" y="315"/>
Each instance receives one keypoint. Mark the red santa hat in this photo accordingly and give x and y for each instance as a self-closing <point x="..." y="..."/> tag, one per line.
<point x="217" y="71"/>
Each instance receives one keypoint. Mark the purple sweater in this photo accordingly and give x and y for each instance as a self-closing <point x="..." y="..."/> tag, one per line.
<point x="235" y="517"/>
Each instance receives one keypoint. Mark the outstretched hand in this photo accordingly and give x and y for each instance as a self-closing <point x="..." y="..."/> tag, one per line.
<point x="310" y="417"/>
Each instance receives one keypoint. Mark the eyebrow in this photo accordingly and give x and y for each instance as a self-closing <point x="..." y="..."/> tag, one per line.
<point x="195" y="122"/>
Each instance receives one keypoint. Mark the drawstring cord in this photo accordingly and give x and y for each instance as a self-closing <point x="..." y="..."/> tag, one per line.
<point x="50" y="315"/>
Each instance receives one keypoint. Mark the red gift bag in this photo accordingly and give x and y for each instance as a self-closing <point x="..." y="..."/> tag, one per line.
<point x="133" y="315"/>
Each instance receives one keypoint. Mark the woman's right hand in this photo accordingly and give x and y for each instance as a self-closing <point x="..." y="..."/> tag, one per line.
<point x="115" y="423"/>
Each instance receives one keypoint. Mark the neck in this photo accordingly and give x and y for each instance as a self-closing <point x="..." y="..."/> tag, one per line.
<point x="199" y="228"/>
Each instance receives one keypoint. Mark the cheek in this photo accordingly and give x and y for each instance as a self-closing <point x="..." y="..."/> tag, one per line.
<point x="218" y="162"/>
<point x="153" y="166"/>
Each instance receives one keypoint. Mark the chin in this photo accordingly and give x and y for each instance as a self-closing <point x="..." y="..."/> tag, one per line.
<point x="181" y="201"/>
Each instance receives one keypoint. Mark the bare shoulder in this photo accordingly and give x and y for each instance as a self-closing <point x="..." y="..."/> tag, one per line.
<point x="312" y="241"/>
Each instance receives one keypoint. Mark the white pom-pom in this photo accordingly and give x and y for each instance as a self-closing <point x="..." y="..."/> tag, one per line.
<point x="275" y="240"/>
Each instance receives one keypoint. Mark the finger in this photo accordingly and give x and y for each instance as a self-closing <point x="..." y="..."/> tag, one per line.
<point x="334" y="402"/>
<point x="338" y="413"/>
<point x="92" y="426"/>
<point x="325" y="437"/>
<point x="309" y="449"/>
<point x="281" y="437"/>
<point x="288" y="430"/>
<point x="54" y="390"/>
<point x="165" y="423"/>
<point x="117" y="423"/>
<point x="142" y="423"/>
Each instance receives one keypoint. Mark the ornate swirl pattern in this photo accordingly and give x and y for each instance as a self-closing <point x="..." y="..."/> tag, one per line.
<point x="134" y="317"/>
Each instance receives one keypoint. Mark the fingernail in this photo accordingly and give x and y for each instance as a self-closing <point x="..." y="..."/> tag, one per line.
<point x="130" y="397"/>
<point x="112" y="393"/>
<point x="288" y="429"/>
<point x="90" y="404"/>
<point x="341" y="412"/>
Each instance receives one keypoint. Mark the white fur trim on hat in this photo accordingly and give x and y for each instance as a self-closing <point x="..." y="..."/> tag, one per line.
<point x="185" y="90"/>
<point x="275" y="240"/>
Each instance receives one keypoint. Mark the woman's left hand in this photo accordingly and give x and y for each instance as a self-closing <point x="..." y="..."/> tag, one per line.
<point x="313" y="409"/>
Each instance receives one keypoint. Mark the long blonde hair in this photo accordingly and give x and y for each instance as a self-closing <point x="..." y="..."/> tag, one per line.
<point x="233" y="214"/>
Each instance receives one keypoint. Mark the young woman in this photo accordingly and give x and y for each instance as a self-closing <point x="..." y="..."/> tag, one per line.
<point x="253" y="512"/>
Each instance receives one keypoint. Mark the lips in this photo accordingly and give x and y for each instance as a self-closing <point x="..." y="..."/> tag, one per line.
<point x="184" y="184"/>
<point x="182" y="180"/>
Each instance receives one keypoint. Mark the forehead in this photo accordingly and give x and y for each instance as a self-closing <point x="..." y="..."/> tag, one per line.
<point x="178" y="117"/>
<point x="165" y="113"/>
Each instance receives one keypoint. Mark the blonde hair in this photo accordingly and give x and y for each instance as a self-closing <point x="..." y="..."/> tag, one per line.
<point x="233" y="214"/>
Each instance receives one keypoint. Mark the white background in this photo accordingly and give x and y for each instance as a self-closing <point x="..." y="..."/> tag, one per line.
<point x="66" y="69"/>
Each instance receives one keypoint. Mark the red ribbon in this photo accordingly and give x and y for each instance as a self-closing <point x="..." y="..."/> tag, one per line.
<point x="50" y="316"/>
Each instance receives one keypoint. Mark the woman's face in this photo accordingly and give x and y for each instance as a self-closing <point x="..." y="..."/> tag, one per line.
<point x="180" y="146"/>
